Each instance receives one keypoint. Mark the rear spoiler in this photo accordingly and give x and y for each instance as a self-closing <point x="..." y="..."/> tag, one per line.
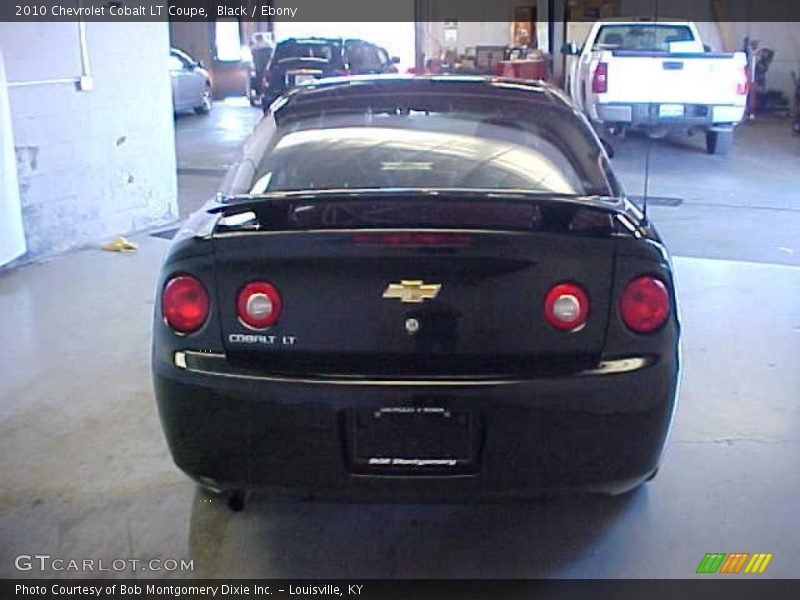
<point x="502" y="210"/>
<point x="225" y="203"/>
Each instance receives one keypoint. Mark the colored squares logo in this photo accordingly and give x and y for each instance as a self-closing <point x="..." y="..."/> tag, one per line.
<point x="736" y="562"/>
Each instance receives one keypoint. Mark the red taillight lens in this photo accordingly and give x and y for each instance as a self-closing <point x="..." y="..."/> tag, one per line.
<point x="600" y="79"/>
<point x="566" y="306"/>
<point x="743" y="85"/>
<point x="259" y="305"/>
<point x="185" y="303"/>
<point x="403" y="238"/>
<point x="644" y="305"/>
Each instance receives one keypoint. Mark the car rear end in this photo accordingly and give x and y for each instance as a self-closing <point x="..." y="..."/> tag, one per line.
<point x="297" y="61"/>
<point x="408" y="342"/>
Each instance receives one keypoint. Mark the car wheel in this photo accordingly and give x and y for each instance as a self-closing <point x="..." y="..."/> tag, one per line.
<point x="719" y="142"/>
<point x="205" y="107"/>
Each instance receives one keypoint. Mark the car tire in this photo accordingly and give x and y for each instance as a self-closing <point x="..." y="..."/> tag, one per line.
<point x="208" y="102"/>
<point x="719" y="142"/>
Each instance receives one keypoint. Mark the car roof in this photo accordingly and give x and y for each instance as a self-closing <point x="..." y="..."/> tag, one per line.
<point x="642" y="19"/>
<point x="179" y="52"/>
<point x="311" y="40"/>
<point x="322" y="41"/>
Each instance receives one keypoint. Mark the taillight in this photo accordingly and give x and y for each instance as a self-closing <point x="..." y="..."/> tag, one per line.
<point x="644" y="304"/>
<point x="412" y="239"/>
<point x="743" y="85"/>
<point x="185" y="303"/>
<point x="259" y="305"/>
<point x="600" y="79"/>
<point x="566" y="306"/>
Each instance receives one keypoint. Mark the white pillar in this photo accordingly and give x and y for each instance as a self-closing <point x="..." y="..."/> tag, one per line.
<point x="12" y="235"/>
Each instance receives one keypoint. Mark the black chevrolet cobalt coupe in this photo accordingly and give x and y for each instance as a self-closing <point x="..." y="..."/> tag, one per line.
<point x="418" y="288"/>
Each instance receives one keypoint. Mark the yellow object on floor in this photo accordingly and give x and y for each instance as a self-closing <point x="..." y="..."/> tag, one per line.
<point x="120" y="244"/>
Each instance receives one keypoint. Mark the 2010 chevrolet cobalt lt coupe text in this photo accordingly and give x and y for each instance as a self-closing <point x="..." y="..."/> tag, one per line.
<point x="418" y="288"/>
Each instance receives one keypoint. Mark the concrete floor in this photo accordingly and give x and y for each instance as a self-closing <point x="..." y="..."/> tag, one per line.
<point x="86" y="471"/>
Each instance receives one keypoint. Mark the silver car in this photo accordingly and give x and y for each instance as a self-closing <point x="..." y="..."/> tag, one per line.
<point x="191" y="83"/>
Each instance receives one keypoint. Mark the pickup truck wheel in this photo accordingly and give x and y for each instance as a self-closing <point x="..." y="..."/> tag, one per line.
<point x="719" y="142"/>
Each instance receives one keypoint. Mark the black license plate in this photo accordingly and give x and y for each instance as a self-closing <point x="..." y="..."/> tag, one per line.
<point x="412" y="437"/>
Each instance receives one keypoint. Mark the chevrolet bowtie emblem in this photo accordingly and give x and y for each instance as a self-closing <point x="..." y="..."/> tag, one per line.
<point x="412" y="291"/>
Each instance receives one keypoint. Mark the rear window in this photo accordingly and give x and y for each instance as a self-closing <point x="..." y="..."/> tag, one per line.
<point x="312" y="50"/>
<point x="647" y="37"/>
<point x="363" y="57"/>
<point x="417" y="149"/>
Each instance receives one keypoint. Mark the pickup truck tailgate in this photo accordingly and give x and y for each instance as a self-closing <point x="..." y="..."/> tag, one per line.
<point x="674" y="78"/>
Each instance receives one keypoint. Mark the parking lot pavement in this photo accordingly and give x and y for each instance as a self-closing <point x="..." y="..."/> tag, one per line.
<point x="745" y="206"/>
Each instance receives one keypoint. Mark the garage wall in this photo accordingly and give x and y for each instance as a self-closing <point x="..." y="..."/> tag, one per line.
<point x="784" y="39"/>
<point x="91" y="164"/>
<point x="468" y="35"/>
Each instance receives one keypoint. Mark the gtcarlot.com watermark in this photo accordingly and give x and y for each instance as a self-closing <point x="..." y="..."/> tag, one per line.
<point x="46" y="562"/>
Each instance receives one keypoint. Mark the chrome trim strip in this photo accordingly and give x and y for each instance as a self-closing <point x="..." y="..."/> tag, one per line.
<point x="612" y="367"/>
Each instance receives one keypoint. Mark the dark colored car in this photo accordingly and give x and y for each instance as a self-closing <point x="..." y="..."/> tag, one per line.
<point x="418" y="288"/>
<point x="298" y="60"/>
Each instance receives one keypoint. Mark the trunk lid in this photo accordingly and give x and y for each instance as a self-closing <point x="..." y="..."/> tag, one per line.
<point x="679" y="78"/>
<point x="343" y="279"/>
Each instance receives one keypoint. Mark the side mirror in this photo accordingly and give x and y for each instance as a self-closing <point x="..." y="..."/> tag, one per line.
<point x="570" y="49"/>
<point x="395" y="60"/>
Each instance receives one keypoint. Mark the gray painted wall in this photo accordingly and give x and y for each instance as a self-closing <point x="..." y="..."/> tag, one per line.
<point x="91" y="164"/>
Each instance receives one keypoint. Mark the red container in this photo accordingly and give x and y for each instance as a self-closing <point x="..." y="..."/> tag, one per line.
<point x="535" y="68"/>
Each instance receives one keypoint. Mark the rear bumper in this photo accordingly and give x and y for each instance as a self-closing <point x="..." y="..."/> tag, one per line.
<point x="597" y="432"/>
<point x="649" y="115"/>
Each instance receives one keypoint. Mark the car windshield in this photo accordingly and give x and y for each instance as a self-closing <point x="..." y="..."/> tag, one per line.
<point x="647" y="37"/>
<point x="431" y="150"/>
<point x="312" y="50"/>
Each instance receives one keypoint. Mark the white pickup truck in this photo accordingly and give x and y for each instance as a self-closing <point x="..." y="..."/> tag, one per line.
<point x="658" y="76"/>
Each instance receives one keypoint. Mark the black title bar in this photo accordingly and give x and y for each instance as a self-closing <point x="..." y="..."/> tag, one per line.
<point x="391" y="10"/>
<point x="705" y="588"/>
